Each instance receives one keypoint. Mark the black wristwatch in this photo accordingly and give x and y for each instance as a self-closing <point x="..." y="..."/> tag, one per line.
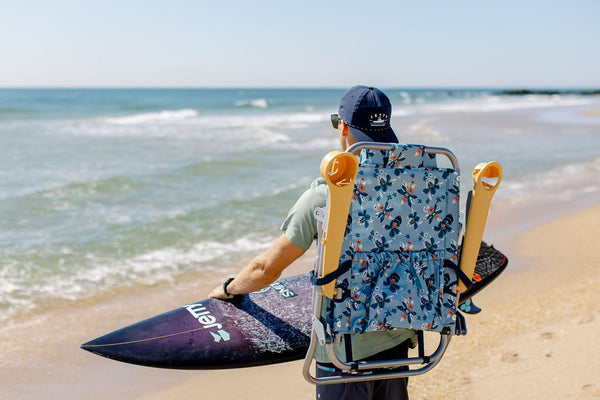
<point x="227" y="282"/>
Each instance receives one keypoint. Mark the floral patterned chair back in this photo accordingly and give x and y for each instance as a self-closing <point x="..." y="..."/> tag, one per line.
<point x="397" y="265"/>
<point x="400" y="245"/>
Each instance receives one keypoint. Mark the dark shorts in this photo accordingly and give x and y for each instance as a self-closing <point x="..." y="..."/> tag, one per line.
<point x="388" y="389"/>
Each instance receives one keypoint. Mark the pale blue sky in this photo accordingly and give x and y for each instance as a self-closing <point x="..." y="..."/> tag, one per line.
<point x="230" y="43"/>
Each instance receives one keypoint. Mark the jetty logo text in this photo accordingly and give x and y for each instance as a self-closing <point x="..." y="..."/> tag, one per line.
<point x="207" y="320"/>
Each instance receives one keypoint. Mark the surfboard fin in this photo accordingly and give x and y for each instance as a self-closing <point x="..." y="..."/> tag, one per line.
<point x="469" y="307"/>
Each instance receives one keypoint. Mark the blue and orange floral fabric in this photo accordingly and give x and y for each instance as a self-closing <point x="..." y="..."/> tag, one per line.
<point x="402" y="225"/>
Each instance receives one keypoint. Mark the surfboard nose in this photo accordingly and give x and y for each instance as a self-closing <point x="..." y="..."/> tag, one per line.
<point x="145" y="339"/>
<point x="110" y="345"/>
<point x="87" y="346"/>
<point x="95" y="344"/>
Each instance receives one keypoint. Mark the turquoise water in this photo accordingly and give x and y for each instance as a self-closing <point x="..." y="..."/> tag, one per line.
<point x="106" y="188"/>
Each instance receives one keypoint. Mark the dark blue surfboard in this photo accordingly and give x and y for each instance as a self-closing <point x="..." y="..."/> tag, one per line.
<point x="265" y="327"/>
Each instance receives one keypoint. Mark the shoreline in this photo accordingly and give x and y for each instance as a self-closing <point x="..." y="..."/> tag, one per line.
<point x="40" y="354"/>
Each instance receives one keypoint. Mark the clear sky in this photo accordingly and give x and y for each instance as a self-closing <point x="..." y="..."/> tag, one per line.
<point x="303" y="43"/>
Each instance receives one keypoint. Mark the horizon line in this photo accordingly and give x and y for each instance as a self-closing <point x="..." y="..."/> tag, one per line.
<point x="493" y="87"/>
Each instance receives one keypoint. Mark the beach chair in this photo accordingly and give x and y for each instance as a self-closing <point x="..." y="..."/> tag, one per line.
<point x="386" y="257"/>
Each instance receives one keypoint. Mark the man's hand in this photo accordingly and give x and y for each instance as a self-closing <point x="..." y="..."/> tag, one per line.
<point x="218" y="293"/>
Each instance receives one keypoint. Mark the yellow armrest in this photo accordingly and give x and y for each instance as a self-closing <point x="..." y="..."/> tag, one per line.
<point x="339" y="171"/>
<point x="477" y="217"/>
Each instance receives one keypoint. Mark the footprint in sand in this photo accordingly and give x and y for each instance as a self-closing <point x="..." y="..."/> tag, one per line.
<point x="591" y="391"/>
<point x="510" y="357"/>
<point x="465" y="380"/>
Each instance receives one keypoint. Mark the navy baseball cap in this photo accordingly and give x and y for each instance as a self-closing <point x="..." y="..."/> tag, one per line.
<point x="367" y="111"/>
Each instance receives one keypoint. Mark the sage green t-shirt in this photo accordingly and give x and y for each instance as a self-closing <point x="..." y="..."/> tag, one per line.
<point x="300" y="227"/>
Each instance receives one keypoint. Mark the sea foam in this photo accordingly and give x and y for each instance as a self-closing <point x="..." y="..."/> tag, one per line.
<point x="20" y="293"/>
<point x="157" y="117"/>
<point x="564" y="182"/>
<point x="259" y="103"/>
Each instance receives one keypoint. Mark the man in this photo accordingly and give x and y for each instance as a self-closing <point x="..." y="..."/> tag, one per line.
<point x="364" y="116"/>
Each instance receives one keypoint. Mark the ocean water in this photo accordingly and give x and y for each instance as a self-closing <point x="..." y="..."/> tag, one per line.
<point x="108" y="188"/>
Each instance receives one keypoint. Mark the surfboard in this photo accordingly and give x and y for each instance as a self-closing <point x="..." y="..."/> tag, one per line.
<point x="265" y="327"/>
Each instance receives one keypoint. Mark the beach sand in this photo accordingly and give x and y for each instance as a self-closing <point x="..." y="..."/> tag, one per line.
<point x="538" y="336"/>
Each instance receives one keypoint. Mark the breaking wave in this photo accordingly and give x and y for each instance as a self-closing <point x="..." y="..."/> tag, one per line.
<point x="157" y="117"/>
<point x="258" y="103"/>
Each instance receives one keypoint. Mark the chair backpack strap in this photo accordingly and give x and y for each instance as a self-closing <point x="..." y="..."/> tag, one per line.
<point x="348" y="347"/>
<point x="459" y="273"/>
<point x="343" y="268"/>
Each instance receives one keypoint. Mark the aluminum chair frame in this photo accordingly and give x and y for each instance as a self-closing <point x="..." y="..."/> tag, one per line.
<point x="357" y="371"/>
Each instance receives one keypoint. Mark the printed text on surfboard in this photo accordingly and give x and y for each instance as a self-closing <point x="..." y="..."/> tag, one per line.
<point x="207" y="320"/>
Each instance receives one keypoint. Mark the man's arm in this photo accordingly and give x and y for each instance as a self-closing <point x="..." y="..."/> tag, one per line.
<point x="263" y="270"/>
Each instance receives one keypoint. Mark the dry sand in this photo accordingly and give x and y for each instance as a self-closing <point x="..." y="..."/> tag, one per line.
<point x="538" y="336"/>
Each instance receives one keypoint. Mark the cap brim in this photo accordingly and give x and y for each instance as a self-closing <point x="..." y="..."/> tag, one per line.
<point x="387" y="136"/>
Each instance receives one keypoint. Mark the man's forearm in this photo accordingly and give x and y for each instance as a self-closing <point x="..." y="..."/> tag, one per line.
<point x="263" y="270"/>
<point x="254" y="277"/>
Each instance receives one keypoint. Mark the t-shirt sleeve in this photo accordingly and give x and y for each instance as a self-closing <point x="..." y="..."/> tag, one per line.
<point x="300" y="225"/>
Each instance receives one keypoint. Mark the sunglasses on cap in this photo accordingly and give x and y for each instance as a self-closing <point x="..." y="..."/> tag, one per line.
<point x="335" y="119"/>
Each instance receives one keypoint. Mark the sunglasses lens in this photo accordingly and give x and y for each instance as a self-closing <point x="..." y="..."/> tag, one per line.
<point x="335" y="120"/>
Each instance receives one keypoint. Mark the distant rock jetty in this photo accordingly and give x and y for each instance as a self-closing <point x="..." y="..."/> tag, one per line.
<point x="523" y="92"/>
